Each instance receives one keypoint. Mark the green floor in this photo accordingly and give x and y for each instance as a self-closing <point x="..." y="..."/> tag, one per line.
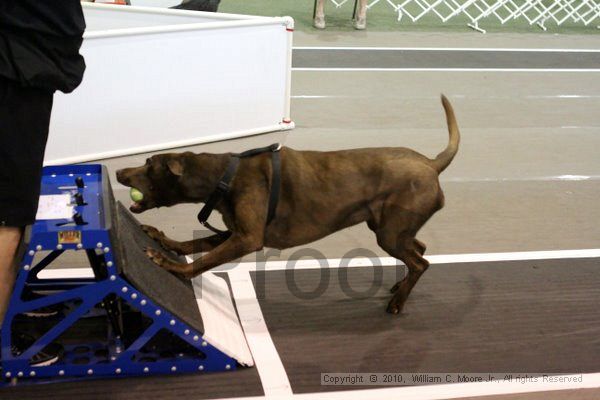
<point x="382" y="17"/>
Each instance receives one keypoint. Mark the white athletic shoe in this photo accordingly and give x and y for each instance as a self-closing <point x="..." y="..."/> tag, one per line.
<point x="48" y="356"/>
<point x="360" y="23"/>
<point x="319" y="22"/>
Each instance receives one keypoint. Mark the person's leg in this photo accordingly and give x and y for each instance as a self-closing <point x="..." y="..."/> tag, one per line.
<point x="24" y="123"/>
<point x="360" y="19"/>
<point x="319" y="17"/>
<point x="9" y="241"/>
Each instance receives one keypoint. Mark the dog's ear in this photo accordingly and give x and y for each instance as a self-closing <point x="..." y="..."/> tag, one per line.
<point x="175" y="166"/>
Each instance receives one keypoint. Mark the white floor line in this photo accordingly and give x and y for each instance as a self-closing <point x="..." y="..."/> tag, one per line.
<point x="272" y="373"/>
<point x="454" y="96"/>
<point x="439" y="259"/>
<point x="333" y="69"/>
<point x="491" y="49"/>
<point x="246" y="267"/>
<point x="555" y="178"/>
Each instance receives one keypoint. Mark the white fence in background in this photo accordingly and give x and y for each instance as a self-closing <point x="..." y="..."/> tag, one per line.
<point x="539" y="12"/>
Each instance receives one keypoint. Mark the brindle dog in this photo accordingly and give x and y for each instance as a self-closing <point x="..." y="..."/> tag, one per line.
<point x="394" y="190"/>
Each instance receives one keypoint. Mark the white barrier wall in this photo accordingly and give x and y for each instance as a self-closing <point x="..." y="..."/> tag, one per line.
<point x="155" y="3"/>
<point x="158" y="79"/>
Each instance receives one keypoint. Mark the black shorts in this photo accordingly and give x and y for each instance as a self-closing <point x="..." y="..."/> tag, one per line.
<point x="24" y="121"/>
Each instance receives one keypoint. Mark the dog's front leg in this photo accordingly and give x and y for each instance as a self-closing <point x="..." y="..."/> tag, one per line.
<point x="233" y="248"/>
<point x="248" y="236"/>
<point x="187" y="247"/>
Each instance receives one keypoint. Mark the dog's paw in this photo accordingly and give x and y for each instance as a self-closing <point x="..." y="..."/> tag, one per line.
<point x="152" y="232"/>
<point x="393" y="308"/>
<point x="360" y="23"/>
<point x="319" y="22"/>
<point x="184" y="271"/>
<point x="156" y="256"/>
<point x="158" y="236"/>
<point x="395" y="305"/>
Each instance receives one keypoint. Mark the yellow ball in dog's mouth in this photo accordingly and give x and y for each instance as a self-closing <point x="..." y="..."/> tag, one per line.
<point x="136" y="195"/>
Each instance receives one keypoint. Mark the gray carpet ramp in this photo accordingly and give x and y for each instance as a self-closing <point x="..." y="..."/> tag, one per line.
<point x="168" y="291"/>
<point x="521" y="316"/>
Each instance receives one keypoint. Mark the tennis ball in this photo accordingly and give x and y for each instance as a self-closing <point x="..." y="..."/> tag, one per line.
<point x="136" y="195"/>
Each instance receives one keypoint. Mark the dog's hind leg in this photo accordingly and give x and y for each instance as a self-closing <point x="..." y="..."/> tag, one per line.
<point x="416" y="265"/>
<point x="403" y="246"/>
<point x="420" y="246"/>
<point x="183" y="248"/>
<point x="396" y="231"/>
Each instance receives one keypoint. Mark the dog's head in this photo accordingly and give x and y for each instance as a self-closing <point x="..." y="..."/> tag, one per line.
<point x="159" y="180"/>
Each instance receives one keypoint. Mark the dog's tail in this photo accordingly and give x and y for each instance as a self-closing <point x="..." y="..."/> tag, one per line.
<point x="444" y="159"/>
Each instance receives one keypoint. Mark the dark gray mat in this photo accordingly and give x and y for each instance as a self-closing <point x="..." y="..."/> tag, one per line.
<point x="523" y="316"/>
<point x="373" y="58"/>
<point x="244" y="382"/>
